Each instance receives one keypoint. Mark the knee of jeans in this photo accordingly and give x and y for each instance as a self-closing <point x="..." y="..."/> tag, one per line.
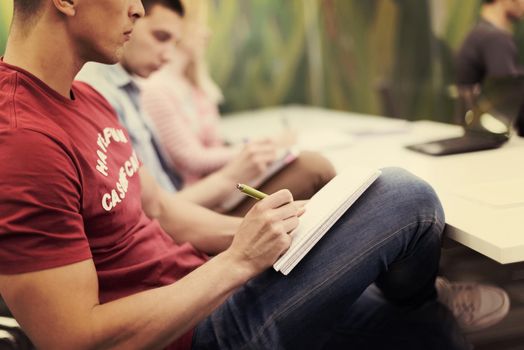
<point x="417" y="196"/>
<point x="317" y="166"/>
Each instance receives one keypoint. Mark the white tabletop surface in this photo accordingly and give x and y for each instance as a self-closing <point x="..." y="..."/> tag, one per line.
<point x="482" y="192"/>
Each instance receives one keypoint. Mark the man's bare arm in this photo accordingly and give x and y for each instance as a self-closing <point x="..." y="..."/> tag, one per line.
<point x="59" y="308"/>
<point x="185" y="221"/>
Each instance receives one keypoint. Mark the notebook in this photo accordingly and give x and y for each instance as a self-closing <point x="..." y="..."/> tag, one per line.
<point x="487" y="122"/>
<point x="323" y="210"/>
<point x="285" y="157"/>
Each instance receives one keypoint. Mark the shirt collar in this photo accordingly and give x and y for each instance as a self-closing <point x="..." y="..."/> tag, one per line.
<point x="118" y="76"/>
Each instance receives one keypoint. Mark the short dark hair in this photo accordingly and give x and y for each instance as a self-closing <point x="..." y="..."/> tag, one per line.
<point x="488" y="1"/>
<point x="27" y="8"/>
<point x="175" y="5"/>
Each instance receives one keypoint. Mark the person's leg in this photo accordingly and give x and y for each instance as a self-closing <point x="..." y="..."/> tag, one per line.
<point x="373" y="323"/>
<point x="303" y="177"/>
<point x="390" y="235"/>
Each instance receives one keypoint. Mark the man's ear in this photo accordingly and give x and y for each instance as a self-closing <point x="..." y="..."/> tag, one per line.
<point x="67" y="7"/>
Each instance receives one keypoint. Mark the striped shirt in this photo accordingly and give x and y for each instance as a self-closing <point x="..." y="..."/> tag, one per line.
<point x="188" y="125"/>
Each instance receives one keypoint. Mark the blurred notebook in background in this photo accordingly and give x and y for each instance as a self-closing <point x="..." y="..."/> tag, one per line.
<point x="285" y="157"/>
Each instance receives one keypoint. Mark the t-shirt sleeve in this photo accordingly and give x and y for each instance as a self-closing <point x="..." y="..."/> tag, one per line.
<point x="41" y="225"/>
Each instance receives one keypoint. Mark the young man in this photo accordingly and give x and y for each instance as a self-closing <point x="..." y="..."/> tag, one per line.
<point x="85" y="261"/>
<point x="148" y="49"/>
<point x="490" y="50"/>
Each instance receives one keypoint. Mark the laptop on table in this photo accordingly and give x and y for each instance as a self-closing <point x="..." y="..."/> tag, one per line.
<point x="487" y="122"/>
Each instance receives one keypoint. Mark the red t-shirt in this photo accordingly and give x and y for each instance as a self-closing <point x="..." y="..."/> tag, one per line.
<point x="70" y="191"/>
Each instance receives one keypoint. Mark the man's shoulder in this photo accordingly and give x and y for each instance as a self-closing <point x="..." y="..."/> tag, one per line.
<point x="107" y="81"/>
<point x="484" y="39"/>
<point x="46" y="144"/>
<point x="23" y="104"/>
<point x="32" y="137"/>
<point x="484" y="32"/>
<point x="88" y="93"/>
<point x="106" y="76"/>
<point x="8" y="86"/>
<point x="96" y="76"/>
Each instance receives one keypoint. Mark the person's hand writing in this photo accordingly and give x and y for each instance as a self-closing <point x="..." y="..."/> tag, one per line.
<point x="264" y="236"/>
<point x="251" y="162"/>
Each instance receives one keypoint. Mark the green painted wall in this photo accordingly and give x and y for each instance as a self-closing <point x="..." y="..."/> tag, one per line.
<point x="370" y="56"/>
<point x="6" y="9"/>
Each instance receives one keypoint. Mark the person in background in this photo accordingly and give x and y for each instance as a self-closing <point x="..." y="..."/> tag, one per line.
<point x="94" y="254"/>
<point x="182" y="101"/>
<point x="489" y="50"/>
<point x="148" y="50"/>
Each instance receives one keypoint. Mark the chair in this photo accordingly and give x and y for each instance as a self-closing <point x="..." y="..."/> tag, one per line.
<point x="12" y="337"/>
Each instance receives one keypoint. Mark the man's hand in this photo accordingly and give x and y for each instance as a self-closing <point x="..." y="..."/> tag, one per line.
<point x="264" y="236"/>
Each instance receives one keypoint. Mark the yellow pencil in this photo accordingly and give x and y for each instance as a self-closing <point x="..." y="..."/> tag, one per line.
<point x="251" y="192"/>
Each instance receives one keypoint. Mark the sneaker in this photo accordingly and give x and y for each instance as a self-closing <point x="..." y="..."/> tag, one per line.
<point x="475" y="306"/>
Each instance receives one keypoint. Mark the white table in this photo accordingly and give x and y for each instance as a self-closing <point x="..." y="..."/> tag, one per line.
<point x="482" y="192"/>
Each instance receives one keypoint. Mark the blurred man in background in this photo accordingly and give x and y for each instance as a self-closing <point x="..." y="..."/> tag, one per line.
<point x="490" y="49"/>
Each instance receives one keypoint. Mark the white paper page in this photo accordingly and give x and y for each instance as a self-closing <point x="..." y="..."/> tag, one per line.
<point x="343" y="189"/>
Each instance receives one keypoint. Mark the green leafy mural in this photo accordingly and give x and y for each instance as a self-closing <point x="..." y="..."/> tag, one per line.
<point x="392" y="57"/>
<point x="6" y="8"/>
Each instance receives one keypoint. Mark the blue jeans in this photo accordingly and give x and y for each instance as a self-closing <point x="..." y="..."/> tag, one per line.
<point x="390" y="238"/>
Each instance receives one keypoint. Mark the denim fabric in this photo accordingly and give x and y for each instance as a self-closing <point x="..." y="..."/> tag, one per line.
<point x="373" y="323"/>
<point x="390" y="236"/>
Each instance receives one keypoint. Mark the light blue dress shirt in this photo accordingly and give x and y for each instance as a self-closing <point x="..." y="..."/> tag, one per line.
<point x="123" y="93"/>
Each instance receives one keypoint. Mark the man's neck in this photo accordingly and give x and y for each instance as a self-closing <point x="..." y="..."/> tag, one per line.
<point x="47" y="53"/>
<point x="496" y="15"/>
